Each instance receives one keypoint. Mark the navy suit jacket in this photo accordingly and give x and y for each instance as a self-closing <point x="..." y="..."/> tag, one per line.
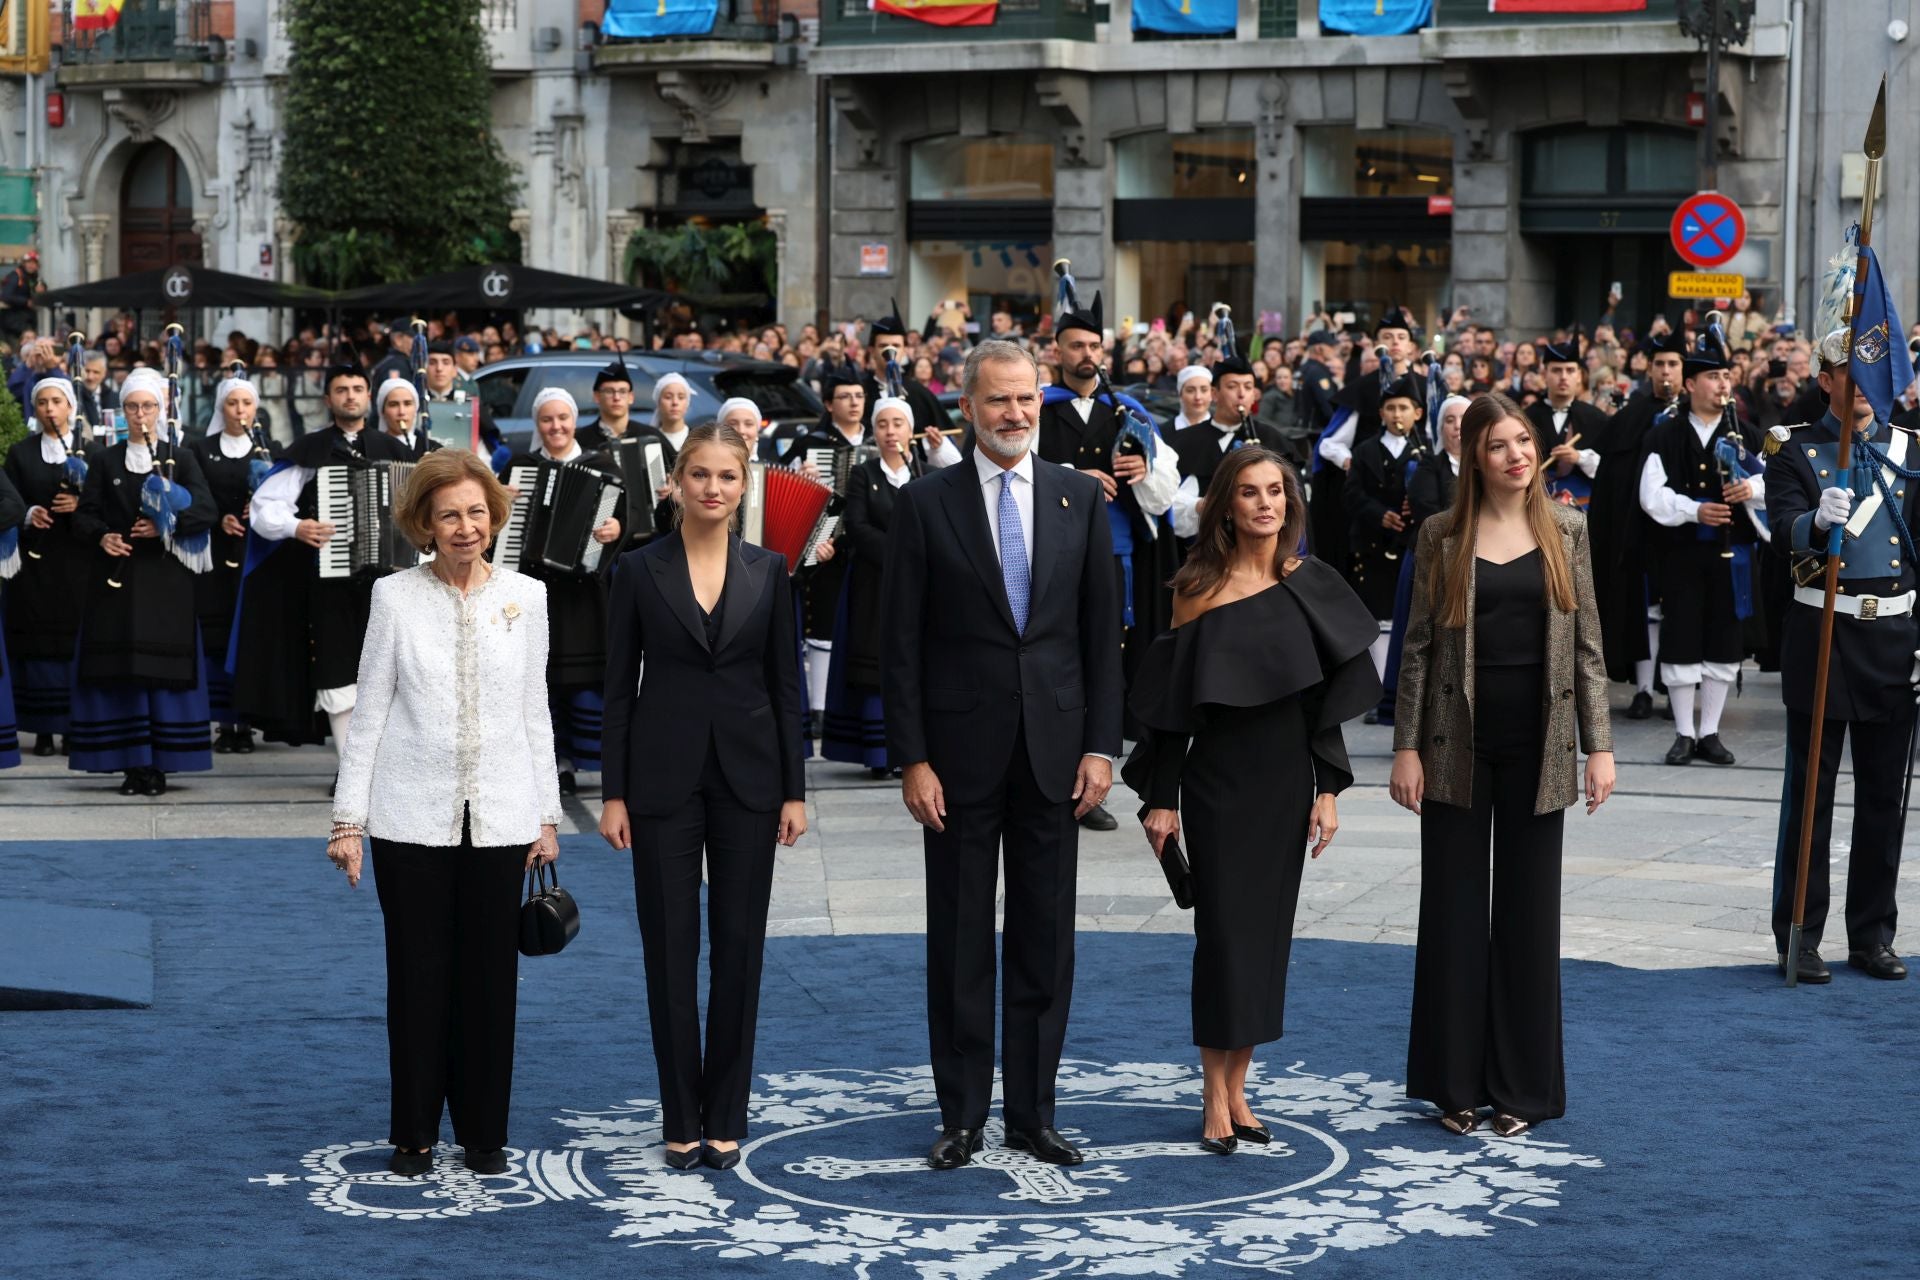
<point x="961" y="686"/>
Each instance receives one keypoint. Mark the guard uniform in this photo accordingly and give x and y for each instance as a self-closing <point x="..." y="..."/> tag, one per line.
<point x="1870" y="697"/>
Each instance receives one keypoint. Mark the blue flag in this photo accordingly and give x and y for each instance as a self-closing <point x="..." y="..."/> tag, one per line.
<point x="1375" y="17"/>
<point x="1878" y="374"/>
<point x="643" y="19"/>
<point x="1186" y="17"/>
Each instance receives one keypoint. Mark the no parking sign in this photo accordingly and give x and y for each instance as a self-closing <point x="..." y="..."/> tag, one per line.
<point x="1708" y="229"/>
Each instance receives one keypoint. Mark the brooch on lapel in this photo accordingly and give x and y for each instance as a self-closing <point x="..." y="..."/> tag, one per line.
<point x="1063" y="500"/>
<point x="511" y="613"/>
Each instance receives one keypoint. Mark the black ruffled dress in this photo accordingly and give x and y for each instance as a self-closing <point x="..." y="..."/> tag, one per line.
<point x="1242" y="709"/>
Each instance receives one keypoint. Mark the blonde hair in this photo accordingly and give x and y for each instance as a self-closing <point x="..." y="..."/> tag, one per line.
<point x="442" y="467"/>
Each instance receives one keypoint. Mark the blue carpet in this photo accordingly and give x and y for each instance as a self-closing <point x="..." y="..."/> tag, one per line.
<point x="1719" y="1126"/>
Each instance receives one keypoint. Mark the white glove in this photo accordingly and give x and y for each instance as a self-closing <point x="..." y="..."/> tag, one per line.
<point x="1835" y="506"/>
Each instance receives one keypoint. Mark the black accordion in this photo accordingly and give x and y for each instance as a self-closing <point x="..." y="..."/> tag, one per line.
<point x="836" y="465"/>
<point x="358" y="500"/>
<point x="550" y="527"/>
<point x="644" y="464"/>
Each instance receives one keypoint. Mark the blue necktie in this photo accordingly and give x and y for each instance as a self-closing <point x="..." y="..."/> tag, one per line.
<point x="1013" y="554"/>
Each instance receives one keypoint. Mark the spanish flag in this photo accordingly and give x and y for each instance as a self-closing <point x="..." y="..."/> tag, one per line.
<point x="942" y="13"/>
<point x="96" y="15"/>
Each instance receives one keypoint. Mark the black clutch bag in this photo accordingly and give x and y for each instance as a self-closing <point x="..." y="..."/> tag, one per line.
<point x="1173" y="861"/>
<point x="549" y="918"/>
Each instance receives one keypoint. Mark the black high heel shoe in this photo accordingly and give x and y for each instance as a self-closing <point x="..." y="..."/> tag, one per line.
<point x="684" y="1159"/>
<point x="1258" y="1134"/>
<point x="717" y="1159"/>
<point x="1220" y="1146"/>
<point x="410" y="1164"/>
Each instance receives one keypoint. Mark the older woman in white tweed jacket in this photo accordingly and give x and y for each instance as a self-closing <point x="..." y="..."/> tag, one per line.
<point x="449" y="769"/>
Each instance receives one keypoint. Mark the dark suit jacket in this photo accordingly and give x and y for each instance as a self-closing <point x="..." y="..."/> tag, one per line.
<point x="743" y="694"/>
<point x="960" y="682"/>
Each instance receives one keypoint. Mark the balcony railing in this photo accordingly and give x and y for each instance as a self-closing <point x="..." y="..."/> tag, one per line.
<point x="148" y="31"/>
<point x="846" y="22"/>
<point x="1474" y="13"/>
<point x="753" y="21"/>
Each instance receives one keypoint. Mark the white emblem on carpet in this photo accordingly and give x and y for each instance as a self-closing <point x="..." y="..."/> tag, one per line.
<point x="1353" y="1165"/>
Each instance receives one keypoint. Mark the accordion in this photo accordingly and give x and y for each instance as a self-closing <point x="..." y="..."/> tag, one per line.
<point x="836" y="465"/>
<point x="358" y="499"/>
<point x="785" y="511"/>
<point x="551" y="524"/>
<point x="644" y="464"/>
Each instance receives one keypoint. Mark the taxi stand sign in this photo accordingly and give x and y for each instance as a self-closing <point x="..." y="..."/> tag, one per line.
<point x="1705" y="284"/>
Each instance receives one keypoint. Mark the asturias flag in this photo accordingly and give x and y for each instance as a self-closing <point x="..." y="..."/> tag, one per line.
<point x="1881" y="369"/>
<point x="96" y="15"/>
<point x="1566" y="6"/>
<point x="1375" y="17"/>
<point x="942" y="13"/>
<point x="1186" y="17"/>
<point x="646" y="19"/>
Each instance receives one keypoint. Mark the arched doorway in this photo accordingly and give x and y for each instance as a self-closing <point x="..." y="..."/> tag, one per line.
<point x="156" y="211"/>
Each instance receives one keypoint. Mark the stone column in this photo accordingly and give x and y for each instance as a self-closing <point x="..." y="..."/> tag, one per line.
<point x="1276" y="212"/>
<point x="94" y="230"/>
<point x="621" y="224"/>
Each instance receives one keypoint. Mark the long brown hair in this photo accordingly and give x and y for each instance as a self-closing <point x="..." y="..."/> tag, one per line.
<point x="1212" y="553"/>
<point x="1456" y="571"/>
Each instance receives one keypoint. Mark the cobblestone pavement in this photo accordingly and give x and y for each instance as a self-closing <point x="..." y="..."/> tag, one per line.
<point x="1674" y="871"/>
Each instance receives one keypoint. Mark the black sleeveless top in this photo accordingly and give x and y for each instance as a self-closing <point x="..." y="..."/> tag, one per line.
<point x="1509" y="613"/>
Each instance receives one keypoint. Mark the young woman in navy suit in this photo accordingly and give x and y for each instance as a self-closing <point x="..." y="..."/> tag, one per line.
<point x="701" y="637"/>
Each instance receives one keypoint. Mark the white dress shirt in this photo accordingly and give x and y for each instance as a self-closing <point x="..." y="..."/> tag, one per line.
<point x="943" y="456"/>
<point x="990" y="472"/>
<point x="452" y="719"/>
<point x="273" y="515"/>
<point x="1186" y="498"/>
<point x="235" y="446"/>
<point x="1673" y="509"/>
<point x="1586" y="459"/>
<point x="896" y="479"/>
<point x="1338" y="447"/>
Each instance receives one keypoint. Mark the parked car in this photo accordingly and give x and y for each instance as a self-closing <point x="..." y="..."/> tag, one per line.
<point x="509" y="386"/>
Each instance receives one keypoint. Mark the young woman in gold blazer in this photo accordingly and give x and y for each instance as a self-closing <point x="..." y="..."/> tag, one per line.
<point x="1502" y="663"/>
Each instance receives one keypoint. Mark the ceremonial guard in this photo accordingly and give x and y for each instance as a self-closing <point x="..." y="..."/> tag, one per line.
<point x="139" y="698"/>
<point x="576" y="601"/>
<point x="13" y="514"/>
<point x="830" y="455"/>
<point x="1618" y="528"/>
<point x="297" y="635"/>
<point x="1086" y="425"/>
<point x="48" y="470"/>
<point x="1869" y="692"/>
<point x="1572" y="429"/>
<point x="1198" y="448"/>
<point x="235" y="456"/>
<point x="1376" y="495"/>
<point x="1701" y="487"/>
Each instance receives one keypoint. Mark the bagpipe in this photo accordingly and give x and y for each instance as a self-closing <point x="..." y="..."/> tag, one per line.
<point x="162" y="498"/>
<point x="1134" y="432"/>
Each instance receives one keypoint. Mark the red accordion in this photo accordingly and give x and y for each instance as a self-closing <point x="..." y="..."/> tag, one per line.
<point x="785" y="511"/>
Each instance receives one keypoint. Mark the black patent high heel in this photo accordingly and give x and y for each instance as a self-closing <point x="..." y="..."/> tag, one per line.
<point x="1258" y="1134"/>
<point x="718" y="1159"/>
<point x="684" y="1159"/>
<point x="1461" y="1122"/>
<point x="1509" y="1126"/>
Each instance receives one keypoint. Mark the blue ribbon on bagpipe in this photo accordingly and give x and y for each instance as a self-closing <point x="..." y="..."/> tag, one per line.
<point x="1338" y="420"/>
<point x="1134" y="422"/>
<point x="1735" y="460"/>
<point x="259" y="549"/>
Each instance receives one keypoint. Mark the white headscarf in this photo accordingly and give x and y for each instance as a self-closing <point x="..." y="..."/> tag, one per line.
<point x="549" y="395"/>
<point x="1189" y="373"/>
<point x="218" y="423"/>
<point x="731" y="403"/>
<point x="58" y="383"/>
<point x="53" y="449"/>
<point x="670" y="380"/>
<point x="1448" y="403"/>
<point x="893" y="402"/>
<point x="396" y="383"/>
<point x="149" y="380"/>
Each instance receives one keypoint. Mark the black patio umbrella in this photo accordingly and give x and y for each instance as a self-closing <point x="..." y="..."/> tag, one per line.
<point x="183" y="286"/>
<point x="499" y="286"/>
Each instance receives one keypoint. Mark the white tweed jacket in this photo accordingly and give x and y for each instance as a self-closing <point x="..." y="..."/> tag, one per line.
<point x="452" y="716"/>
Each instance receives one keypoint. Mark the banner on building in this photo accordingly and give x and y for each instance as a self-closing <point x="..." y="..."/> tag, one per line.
<point x="1566" y="6"/>
<point x="1375" y="17"/>
<point x="645" y="19"/>
<point x="97" y="15"/>
<point x="941" y="13"/>
<point x="1187" y="17"/>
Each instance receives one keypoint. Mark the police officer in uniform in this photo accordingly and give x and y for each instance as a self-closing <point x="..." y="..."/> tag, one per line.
<point x="1870" y="698"/>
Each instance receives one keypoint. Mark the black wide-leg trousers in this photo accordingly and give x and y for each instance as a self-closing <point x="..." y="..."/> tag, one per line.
<point x="1880" y="750"/>
<point x="1042" y="843"/>
<point x="1486" y="984"/>
<point x="452" y="917"/>
<point x="704" y="1097"/>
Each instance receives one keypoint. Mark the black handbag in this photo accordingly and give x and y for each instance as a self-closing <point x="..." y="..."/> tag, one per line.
<point x="1179" y="875"/>
<point x="549" y="918"/>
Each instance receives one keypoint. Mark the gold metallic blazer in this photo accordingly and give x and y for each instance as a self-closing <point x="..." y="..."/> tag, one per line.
<point x="1433" y="710"/>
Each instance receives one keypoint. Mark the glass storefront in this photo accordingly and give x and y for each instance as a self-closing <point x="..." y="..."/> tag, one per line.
<point x="1006" y="167"/>
<point x="980" y="226"/>
<point x="1365" y="278"/>
<point x="1011" y="276"/>
<point x="1183" y="225"/>
<point x="1341" y="161"/>
<point x="1217" y="164"/>
<point x="1373" y="234"/>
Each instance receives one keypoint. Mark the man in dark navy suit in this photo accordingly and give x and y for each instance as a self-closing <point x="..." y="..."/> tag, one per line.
<point x="1003" y="703"/>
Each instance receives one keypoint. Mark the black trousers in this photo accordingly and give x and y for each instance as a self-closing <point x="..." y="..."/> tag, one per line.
<point x="704" y="1098"/>
<point x="1873" y="865"/>
<point x="1486" y="981"/>
<point x="453" y="959"/>
<point x="1042" y="843"/>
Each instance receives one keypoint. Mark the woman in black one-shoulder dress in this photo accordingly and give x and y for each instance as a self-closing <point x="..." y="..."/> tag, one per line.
<point x="1242" y="702"/>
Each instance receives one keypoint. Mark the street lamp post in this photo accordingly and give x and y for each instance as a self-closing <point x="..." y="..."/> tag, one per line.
<point x="1717" y="25"/>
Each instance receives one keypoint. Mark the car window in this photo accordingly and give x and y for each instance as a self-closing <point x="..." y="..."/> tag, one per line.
<point x="575" y="379"/>
<point x="777" y="396"/>
<point x="500" y="388"/>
